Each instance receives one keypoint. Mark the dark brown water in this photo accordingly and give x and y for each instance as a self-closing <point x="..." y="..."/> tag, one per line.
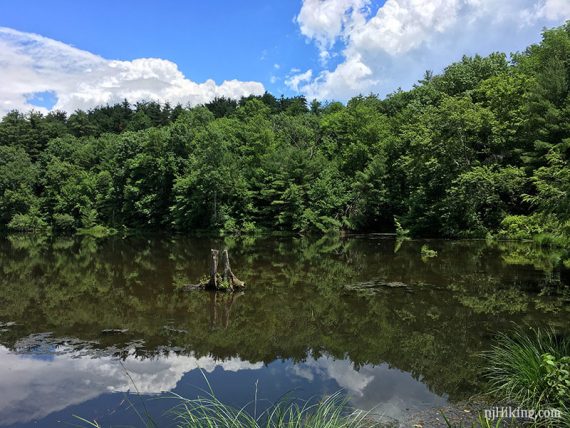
<point x="84" y="323"/>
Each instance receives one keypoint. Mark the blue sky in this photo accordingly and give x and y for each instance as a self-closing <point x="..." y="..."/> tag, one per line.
<point x="77" y="54"/>
<point x="207" y="39"/>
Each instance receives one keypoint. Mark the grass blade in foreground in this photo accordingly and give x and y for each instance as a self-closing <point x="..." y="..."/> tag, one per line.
<point x="331" y="412"/>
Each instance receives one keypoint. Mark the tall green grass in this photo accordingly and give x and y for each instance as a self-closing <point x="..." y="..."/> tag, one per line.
<point x="208" y="411"/>
<point x="531" y="371"/>
<point x="330" y="412"/>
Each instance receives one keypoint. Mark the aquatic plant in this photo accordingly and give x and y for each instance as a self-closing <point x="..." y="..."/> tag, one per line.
<point x="427" y="252"/>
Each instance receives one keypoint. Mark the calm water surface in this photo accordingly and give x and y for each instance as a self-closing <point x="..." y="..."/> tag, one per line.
<point x="86" y="323"/>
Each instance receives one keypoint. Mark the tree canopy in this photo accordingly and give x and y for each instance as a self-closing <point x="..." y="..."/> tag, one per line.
<point x="482" y="148"/>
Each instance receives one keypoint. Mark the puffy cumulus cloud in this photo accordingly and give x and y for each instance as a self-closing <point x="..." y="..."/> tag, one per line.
<point x="402" y="25"/>
<point x="30" y="64"/>
<point x="351" y="77"/>
<point x="324" y="21"/>
<point x="393" y="47"/>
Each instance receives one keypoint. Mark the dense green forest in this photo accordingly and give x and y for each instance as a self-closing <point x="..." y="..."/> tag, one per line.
<point x="480" y="149"/>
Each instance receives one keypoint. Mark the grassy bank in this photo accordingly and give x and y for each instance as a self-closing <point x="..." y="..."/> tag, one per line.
<point x="532" y="371"/>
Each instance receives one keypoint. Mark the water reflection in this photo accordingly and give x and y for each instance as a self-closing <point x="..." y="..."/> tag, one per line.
<point x="34" y="386"/>
<point x="364" y="314"/>
<point x="385" y="391"/>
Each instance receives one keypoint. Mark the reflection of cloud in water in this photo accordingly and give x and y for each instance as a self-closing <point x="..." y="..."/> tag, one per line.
<point x="387" y="391"/>
<point x="342" y="371"/>
<point x="31" y="388"/>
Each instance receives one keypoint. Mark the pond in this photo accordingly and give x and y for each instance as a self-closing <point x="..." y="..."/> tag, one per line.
<point x="102" y="329"/>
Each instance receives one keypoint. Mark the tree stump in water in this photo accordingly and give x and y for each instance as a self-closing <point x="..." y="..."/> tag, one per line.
<point x="213" y="283"/>
<point x="226" y="281"/>
<point x="228" y="276"/>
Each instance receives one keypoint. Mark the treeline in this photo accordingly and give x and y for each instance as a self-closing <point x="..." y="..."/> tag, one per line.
<point x="480" y="149"/>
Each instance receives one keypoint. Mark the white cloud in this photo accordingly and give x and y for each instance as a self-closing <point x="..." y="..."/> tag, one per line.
<point x="549" y="9"/>
<point x="351" y="77"/>
<point x="326" y="20"/>
<point x="30" y="63"/>
<point x="294" y="80"/>
<point x="394" y="46"/>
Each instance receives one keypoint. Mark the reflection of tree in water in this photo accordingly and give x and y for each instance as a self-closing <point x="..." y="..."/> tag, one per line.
<point x="296" y="303"/>
<point x="221" y="307"/>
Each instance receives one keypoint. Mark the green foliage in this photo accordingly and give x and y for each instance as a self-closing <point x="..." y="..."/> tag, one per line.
<point x="552" y="183"/>
<point x="479" y="200"/>
<point x="481" y="149"/>
<point x="427" y="252"/>
<point x="543" y="229"/>
<point x="63" y="222"/>
<point x="97" y="231"/>
<point x="29" y="222"/>
<point x="467" y="74"/>
<point x="17" y="178"/>
<point x="557" y="378"/>
<point x="531" y="370"/>
<point x="208" y="411"/>
<point x="522" y="226"/>
<point x="331" y="412"/>
<point x="400" y="231"/>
